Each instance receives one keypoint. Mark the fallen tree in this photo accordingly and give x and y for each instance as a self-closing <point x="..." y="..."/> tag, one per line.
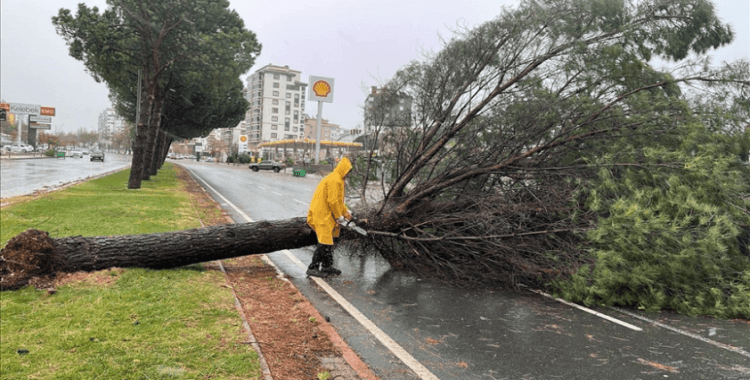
<point x="35" y="253"/>
<point x="527" y="133"/>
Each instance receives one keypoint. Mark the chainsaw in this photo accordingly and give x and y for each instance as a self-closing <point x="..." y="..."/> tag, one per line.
<point x="351" y="225"/>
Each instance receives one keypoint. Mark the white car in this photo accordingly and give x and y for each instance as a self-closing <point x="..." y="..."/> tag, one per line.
<point x="76" y="153"/>
<point x="23" y="148"/>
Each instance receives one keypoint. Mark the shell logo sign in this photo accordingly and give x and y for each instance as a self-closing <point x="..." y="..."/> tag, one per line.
<point x="321" y="89"/>
<point x="243" y="138"/>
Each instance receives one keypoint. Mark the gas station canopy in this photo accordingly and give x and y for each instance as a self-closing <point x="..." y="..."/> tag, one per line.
<point x="308" y="143"/>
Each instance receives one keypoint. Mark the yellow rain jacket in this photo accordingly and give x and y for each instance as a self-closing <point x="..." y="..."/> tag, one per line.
<point x="327" y="204"/>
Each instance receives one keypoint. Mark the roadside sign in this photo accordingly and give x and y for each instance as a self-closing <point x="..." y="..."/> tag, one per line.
<point x="40" y="119"/>
<point x="5" y="106"/>
<point x="320" y="89"/>
<point x="25" y="109"/>
<point x="3" y="115"/>
<point x="40" y="126"/>
<point x="47" y="111"/>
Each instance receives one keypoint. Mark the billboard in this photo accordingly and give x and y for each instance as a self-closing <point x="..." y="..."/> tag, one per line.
<point x="320" y="89"/>
<point x="25" y="109"/>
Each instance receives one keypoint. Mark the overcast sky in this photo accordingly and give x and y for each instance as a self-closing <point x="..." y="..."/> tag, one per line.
<point x="360" y="43"/>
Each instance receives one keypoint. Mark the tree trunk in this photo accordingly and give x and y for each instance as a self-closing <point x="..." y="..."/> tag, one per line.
<point x="34" y="253"/>
<point x="136" y="166"/>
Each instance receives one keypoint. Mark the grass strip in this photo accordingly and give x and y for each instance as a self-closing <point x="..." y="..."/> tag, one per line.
<point x="121" y="323"/>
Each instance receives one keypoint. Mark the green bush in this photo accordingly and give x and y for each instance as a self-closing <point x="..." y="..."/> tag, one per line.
<point x="244" y="159"/>
<point x="49" y="152"/>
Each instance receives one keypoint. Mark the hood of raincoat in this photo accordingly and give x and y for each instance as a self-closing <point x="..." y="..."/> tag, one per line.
<point x="343" y="167"/>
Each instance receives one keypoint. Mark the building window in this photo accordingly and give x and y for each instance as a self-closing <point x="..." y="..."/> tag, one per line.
<point x="275" y="85"/>
<point x="274" y="127"/>
<point x="275" y="93"/>
<point x="276" y="102"/>
<point x="274" y="110"/>
<point x="275" y="76"/>
<point x="294" y="129"/>
<point x="273" y="135"/>
<point x="288" y="95"/>
<point x="286" y="124"/>
<point x="275" y="118"/>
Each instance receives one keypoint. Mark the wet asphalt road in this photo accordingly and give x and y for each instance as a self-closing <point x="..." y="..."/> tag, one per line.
<point x="481" y="334"/>
<point x="23" y="176"/>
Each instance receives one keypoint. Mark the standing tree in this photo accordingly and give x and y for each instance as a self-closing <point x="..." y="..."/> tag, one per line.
<point x="156" y="38"/>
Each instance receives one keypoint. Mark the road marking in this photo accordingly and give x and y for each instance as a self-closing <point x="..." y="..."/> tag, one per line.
<point x="277" y="193"/>
<point x="304" y="203"/>
<point x="389" y="343"/>
<point x="598" y="314"/>
<point x="683" y="332"/>
<point x="260" y="187"/>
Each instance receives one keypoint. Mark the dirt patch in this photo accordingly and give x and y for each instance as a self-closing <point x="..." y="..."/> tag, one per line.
<point x="289" y="336"/>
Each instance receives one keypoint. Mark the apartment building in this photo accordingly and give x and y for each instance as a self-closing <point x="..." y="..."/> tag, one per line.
<point x="110" y="123"/>
<point x="277" y="100"/>
<point x="386" y="109"/>
<point x="328" y="130"/>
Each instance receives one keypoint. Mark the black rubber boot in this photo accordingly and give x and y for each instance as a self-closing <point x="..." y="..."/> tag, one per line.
<point x="330" y="270"/>
<point x="326" y="263"/>
<point x="316" y="273"/>
<point x="319" y="256"/>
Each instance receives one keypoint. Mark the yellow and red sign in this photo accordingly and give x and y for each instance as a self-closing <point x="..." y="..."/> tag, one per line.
<point x="321" y="89"/>
<point x="243" y="138"/>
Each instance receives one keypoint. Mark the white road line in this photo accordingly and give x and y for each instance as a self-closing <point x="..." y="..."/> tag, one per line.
<point x="261" y="187"/>
<point x="277" y="193"/>
<point x="683" y="332"/>
<point x="389" y="343"/>
<point x="304" y="203"/>
<point x="598" y="314"/>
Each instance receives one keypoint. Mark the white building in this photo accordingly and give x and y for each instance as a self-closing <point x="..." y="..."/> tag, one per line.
<point x="109" y="124"/>
<point x="277" y="99"/>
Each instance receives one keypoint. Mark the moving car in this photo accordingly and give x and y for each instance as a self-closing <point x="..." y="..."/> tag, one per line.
<point x="267" y="165"/>
<point x="76" y="153"/>
<point x="97" y="155"/>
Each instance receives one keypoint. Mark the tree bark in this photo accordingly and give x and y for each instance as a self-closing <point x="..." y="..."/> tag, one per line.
<point x="34" y="253"/>
<point x="136" y="166"/>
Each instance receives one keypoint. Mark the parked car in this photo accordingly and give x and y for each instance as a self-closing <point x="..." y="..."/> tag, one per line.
<point x="267" y="165"/>
<point x="97" y="155"/>
<point x="85" y="152"/>
<point x="76" y="153"/>
<point x="23" y="148"/>
<point x="208" y="159"/>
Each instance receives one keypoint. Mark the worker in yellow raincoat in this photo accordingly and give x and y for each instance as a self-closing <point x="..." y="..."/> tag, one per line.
<point x="326" y="210"/>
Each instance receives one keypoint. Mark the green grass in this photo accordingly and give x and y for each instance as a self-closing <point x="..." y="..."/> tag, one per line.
<point x="105" y="207"/>
<point x="121" y="324"/>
